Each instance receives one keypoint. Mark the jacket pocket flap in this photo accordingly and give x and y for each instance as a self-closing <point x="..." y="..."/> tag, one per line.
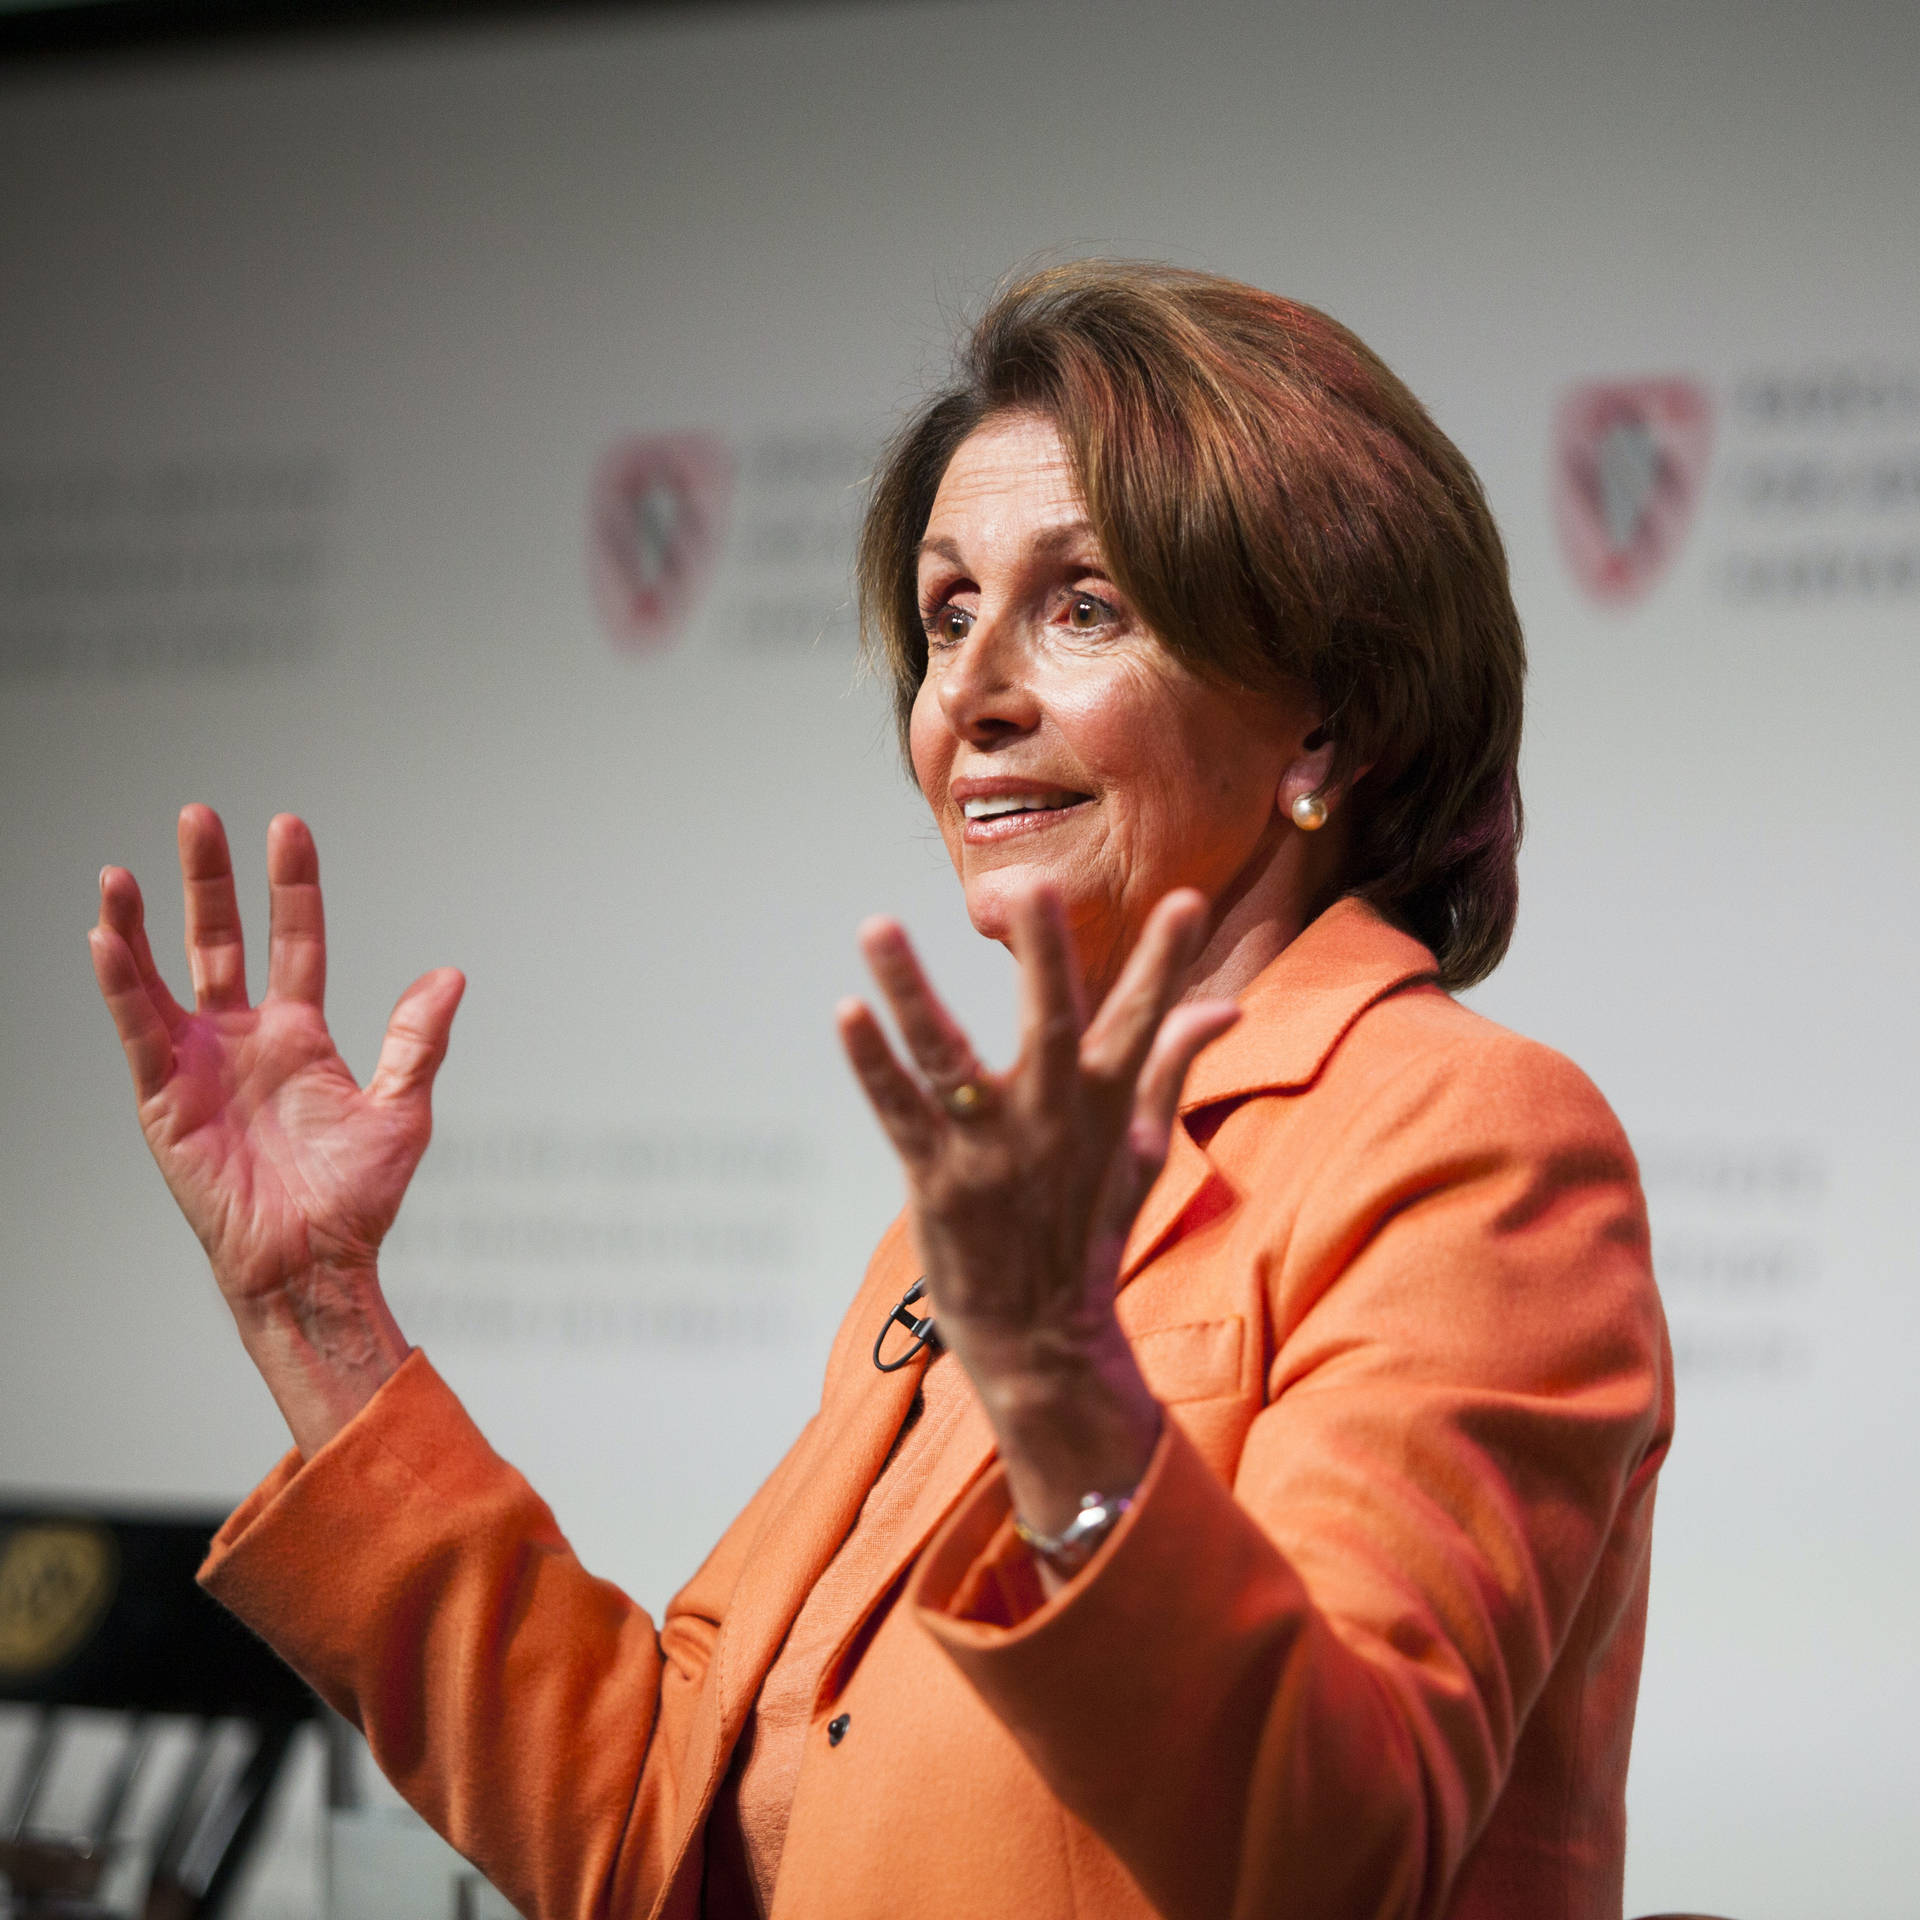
<point x="1198" y="1361"/>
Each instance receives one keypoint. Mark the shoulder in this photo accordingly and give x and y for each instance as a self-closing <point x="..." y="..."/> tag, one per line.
<point x="1473" y="1160"/>
<point x="1348" y="1023"/>
<point x="1418" y="1066"/>
<point x="1450" y="1203"/>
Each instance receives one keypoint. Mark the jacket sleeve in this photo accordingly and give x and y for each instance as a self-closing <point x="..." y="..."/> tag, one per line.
<point x="532" y="1713"/>
<point x="1318" y="1662"/>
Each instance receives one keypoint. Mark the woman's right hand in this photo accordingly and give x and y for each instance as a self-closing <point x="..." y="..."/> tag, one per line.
<point x="288" y="1170"/>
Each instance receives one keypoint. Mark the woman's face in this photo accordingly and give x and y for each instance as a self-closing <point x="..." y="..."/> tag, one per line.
<point x="1055" y="738"/>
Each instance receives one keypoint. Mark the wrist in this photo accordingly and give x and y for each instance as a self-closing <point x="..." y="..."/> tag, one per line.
<point x="1065" y="1553"/>
<point x="325" y="1342"/>
<point x="1071" y="1418"/>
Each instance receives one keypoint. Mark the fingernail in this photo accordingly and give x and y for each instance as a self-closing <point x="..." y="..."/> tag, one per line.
<point x="103" y="879"/>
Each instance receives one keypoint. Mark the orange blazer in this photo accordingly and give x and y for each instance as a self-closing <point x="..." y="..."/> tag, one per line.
<point x="1367" y="1644"/>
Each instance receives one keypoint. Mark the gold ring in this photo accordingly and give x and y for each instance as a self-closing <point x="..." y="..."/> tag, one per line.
<point x="967" y="1101"/>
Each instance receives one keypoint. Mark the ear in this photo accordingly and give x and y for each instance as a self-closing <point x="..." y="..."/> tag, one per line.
<point x="1310" y="769"/>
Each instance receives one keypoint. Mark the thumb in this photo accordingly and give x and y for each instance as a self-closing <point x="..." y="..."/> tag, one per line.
<point x="417" y="1035"/>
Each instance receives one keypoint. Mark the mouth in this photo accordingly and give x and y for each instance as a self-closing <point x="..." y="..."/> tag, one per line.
<point x="1000" y="809"/>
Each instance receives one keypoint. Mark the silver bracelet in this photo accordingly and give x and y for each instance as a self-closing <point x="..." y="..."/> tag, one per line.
<point x="1067" y="1551"/>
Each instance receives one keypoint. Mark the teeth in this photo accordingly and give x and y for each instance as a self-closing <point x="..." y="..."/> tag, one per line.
<point x="1007" y="803"/>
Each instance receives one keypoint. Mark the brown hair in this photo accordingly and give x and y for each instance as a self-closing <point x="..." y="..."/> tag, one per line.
<point x="1279" y="508"/>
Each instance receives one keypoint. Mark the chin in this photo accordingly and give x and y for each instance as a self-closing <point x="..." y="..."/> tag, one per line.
<point x="990" y="898"/>
<point x="988" y="911"/>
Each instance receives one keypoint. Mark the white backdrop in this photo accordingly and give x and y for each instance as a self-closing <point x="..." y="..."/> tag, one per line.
<point x="308" y="359"/>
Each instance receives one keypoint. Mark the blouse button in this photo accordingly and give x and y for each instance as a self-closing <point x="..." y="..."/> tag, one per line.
<point x="837" y="1728"/>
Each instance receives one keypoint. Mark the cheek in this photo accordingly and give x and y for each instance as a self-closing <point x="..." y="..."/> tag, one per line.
<point x="1129" y="733"/>
<point x="1109" y="715"/>
<point x="929" y="743"/>
<point x="1200" y="790"/>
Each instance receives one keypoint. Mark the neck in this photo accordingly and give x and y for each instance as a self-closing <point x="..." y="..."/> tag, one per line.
<point x="1291" y="878"/>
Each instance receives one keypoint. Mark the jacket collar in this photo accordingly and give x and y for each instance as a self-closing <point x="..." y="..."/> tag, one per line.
<point x="1292" y="1017"/>
<point x="1304" y="1000"/>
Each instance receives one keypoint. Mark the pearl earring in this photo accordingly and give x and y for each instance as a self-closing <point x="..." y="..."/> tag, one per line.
<point x="1309" y="813"/>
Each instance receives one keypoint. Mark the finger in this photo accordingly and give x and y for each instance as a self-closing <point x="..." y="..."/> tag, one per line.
<point x="124" y="912"/>
<point x="1051" y="1005"/>
<point x="897" y="1098"/>
<point x="417" y="1036"/>
<point x="935" y="1040"/>
<point x="143" y="1030"/>
<point x="297" y="929"/>
<point x="1183" y="1035"/>
<point x="1122" y="1032"/>
<point x="216" y="954"/>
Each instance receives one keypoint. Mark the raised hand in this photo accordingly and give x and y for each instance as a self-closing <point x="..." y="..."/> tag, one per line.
<point x="288" y="1170"/>
<point x="1022" y="1186"/>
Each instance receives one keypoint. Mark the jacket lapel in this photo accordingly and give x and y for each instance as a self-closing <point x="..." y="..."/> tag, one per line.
<point x="849" y="1447"/>
<point x="968" y="1452"/>
<point x="1292" y="1018"/>
<point x="1187" y="1173"/>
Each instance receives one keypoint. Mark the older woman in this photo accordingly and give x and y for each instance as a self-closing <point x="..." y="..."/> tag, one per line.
<point x="1245" y="1506"/>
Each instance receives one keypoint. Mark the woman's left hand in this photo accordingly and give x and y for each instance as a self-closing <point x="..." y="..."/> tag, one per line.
<point x="1022" y="1186"/>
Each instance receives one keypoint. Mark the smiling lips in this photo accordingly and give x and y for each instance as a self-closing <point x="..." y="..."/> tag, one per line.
<point x="996" y="809"/>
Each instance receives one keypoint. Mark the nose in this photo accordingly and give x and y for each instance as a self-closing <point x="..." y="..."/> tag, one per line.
<point x="984" y="685"/>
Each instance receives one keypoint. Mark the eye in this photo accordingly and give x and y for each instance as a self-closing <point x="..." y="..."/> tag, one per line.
<point x="1087" y="613"/>
<point x="947" y="625"/>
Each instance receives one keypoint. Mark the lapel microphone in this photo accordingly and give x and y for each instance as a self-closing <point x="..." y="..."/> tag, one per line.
<point x="922" y="1331"/>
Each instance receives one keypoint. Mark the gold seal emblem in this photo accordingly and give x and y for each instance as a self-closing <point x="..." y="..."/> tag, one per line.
<point x="55" y="1583"/>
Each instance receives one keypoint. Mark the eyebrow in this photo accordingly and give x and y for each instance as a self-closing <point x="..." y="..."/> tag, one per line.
<point x="1054" y="540"/>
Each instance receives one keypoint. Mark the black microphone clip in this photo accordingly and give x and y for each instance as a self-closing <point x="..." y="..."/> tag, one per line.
<point x="924" y="1332"/>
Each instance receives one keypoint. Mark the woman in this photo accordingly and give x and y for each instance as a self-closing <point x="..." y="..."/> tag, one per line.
<point x="1263" y="1528"/>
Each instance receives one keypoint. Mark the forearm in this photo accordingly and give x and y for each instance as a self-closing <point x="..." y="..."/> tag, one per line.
<point x="522" y="1706"/>
<point x="325" y="1346"/>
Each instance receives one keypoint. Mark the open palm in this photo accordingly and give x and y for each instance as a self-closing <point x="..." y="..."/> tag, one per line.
<point x="288" y="1170"/>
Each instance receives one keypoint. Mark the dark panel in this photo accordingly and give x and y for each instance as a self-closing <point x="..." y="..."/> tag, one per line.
<point x="101" y="1610"/>
<point x="122" y="26"/>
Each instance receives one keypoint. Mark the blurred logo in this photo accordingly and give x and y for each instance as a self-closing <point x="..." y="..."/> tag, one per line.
<point x="1629" y="458"/>
<point x="658" y="514"/>
<point x="55" y="1583"/>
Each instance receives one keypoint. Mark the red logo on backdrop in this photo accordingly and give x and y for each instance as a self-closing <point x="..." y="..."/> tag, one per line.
<point x="658" y="513"/>
<point x="1629" y="458"/>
